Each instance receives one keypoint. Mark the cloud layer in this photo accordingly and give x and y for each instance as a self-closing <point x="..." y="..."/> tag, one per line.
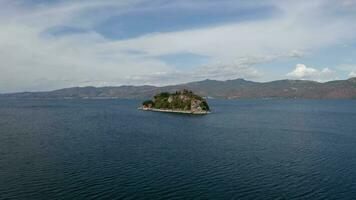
<point x="307" y="73"/>
<point x="352" y="74"/>
<point x="49" y="46"/>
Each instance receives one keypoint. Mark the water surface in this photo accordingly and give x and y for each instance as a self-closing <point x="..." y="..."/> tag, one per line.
<point x="247" y="149"/>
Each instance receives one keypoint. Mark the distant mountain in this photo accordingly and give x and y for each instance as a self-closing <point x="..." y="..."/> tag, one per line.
<point x="230" y="89"/>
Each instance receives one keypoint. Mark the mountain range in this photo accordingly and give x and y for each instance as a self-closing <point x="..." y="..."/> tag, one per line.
<point x="230" y="89"/>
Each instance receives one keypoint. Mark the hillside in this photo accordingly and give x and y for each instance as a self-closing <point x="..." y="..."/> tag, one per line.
<point x="231" y="89"/>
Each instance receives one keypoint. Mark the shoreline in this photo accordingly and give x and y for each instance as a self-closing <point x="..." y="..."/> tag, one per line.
<point x="174" y="111"/>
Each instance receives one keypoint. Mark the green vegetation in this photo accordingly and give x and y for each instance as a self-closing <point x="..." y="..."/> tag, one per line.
<point x="204" y="105"/>
<point x="181" y="100"/>
<point x="148" y="103"/>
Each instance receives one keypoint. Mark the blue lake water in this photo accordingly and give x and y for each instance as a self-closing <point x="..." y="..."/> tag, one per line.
<point x="246" y="149"/>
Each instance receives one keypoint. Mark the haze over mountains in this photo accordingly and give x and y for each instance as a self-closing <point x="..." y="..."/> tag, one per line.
<point x="230" y="89"/>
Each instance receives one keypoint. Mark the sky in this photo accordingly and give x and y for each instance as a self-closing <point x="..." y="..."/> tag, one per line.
<point x="52" y="44"/>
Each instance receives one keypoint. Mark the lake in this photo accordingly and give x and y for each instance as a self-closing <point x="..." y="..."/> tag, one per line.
<point x="244" y="149"/>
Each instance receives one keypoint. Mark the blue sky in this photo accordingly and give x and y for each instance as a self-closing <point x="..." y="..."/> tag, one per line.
<point x="50" y="44"/>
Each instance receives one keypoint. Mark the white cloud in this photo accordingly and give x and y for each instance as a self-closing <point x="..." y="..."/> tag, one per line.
<point x="216" y="71"/>
<point x="33" y="60"/>
<point x="349" y="69"/>
<point x="301" y="71"/>
<point x="307" y="73"/>
<point x="352" y="74"/>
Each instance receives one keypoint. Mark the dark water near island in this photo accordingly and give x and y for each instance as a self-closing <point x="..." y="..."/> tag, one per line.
<point x="107" y="149"/>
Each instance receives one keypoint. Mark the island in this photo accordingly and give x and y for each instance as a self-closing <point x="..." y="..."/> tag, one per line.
<point x="183" y="101"/>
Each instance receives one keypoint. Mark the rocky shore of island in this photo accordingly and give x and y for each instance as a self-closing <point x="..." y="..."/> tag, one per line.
<point x="175" y="111"/>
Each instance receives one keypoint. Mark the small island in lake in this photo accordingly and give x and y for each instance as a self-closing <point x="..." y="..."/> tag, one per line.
<point x="179" y="102"/>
